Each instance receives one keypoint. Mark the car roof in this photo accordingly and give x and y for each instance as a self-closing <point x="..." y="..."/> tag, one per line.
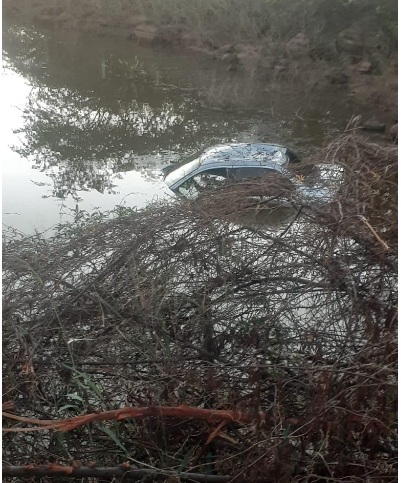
<point x="241" y="151"/>
<point x="237" y="154"/>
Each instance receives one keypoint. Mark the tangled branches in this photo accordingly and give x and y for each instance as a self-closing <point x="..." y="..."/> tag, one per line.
<point x="195" y="304"/>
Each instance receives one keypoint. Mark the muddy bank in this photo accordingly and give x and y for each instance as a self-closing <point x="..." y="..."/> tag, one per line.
<point x="351" y="60"/>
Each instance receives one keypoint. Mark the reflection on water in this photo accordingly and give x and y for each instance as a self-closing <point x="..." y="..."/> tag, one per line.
<point x="97" y="116"/>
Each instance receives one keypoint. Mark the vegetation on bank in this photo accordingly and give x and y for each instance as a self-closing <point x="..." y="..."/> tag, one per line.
<point x="182" y="305"/>
<point x="311" y="41"/>
<point x="236" y="20"/>
<point x="374" y="23"/>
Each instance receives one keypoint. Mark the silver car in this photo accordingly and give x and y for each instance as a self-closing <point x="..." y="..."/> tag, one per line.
<point x="229" y="163"/>
<point x="226" y="163"/>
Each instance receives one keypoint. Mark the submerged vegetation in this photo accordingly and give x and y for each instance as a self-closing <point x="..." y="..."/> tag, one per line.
<point x="247" y="353"/>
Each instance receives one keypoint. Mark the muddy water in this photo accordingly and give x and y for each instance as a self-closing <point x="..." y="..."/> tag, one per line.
<point x="88" y="121"/>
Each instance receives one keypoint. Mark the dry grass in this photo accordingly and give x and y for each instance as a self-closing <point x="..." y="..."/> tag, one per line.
<point x="181" y="304"/>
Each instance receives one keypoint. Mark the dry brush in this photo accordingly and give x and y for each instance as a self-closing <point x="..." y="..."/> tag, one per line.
<point x="198" y="306"/>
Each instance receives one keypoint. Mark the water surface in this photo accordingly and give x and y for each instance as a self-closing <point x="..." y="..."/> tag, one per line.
<point x="91" y="120"/>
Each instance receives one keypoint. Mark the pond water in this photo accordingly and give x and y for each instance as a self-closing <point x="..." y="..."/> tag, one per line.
<point x="89" y="121"/>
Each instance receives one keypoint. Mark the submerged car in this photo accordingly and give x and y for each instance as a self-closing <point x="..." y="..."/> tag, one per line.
<point x="226" y="164"/>
<point x="222" y="164"/>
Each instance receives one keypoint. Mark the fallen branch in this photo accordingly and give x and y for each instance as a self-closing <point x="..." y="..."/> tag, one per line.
<point x="118" y="471"/>
<point x="181" y="412"/>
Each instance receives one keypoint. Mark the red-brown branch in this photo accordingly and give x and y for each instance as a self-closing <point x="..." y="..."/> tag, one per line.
<point x="180" y="412"/>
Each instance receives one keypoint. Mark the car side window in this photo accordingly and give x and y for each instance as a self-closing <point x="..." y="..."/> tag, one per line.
<point x="247" y="172"/>
<point x="189" y="189"/>
<point x="212" y="178"/>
